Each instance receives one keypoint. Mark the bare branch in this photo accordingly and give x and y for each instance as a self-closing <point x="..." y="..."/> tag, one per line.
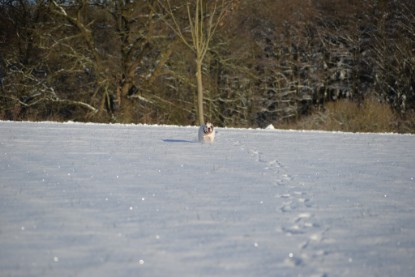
<point x="201" y="36"/>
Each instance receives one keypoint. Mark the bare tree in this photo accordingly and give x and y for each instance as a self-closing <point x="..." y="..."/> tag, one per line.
<point x="26" y="82"/>
<point x="204" y="17"/>
<point x="394" y="62"/>
<point x="116" y="37"/>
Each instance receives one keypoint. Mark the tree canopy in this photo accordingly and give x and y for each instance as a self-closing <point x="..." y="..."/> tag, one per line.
<point x="268" y="61"/>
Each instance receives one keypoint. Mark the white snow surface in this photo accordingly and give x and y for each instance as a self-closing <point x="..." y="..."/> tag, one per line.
<point x="135" y="200"/>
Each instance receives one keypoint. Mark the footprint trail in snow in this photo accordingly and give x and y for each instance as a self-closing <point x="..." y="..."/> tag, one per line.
<point x="296" y="205"/>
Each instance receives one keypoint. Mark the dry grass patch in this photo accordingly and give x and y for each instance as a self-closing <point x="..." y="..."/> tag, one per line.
<point x="348" y="116"/>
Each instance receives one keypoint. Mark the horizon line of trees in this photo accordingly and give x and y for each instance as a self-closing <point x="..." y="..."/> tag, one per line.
<point x="268" y="61"/>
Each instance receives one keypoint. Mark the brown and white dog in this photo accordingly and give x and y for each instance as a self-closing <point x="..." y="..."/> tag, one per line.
<point x="206" y="133"/>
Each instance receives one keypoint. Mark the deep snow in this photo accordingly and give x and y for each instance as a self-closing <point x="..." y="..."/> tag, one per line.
<point x="130" y="200"/>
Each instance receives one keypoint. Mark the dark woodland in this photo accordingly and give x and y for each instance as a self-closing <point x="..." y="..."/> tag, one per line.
<point x="309" y="64"/>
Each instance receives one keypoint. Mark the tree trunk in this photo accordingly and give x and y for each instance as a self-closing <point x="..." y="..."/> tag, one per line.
<point x="199" y="92"/>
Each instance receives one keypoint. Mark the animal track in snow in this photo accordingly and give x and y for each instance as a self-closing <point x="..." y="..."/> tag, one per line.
<point x="294" y="201"/>
<point x="273" y="165"/>
<point x="302" y="223"/>
<point x="295" y="205"/>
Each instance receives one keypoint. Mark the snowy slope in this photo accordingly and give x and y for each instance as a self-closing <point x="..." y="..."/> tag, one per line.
<point x="128" y="200"/>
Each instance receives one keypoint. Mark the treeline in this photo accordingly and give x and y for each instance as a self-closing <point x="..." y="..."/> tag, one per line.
<point x="270" y="61"/>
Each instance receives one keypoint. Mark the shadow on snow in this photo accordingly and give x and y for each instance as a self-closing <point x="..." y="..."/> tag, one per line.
<point x="178" y="141"/>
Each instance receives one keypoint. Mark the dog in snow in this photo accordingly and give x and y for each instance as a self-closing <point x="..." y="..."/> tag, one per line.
<point x="206" y="133"/>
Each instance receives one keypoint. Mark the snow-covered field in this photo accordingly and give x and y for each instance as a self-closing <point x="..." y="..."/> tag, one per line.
<point x="129" y="200"/>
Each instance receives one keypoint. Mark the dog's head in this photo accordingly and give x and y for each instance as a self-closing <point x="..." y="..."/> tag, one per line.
<point x="208" y="128"/>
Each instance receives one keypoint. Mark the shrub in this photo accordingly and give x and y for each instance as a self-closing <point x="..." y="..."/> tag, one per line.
<point x="371" y="116"/>
<point x="349" y="116"/>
